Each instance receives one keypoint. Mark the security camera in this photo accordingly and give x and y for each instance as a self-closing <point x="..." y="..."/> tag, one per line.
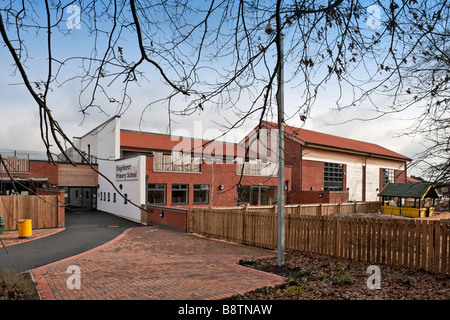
<point x="269" y="28"/>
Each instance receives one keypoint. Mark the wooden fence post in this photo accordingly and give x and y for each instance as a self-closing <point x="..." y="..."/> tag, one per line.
<point x="143" y="214"/>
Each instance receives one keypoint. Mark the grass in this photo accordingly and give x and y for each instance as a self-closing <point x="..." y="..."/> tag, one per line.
<point x="17" y="286"/>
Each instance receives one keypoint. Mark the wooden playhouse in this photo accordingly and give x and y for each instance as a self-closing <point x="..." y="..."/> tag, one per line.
<point x="403" y="195"/>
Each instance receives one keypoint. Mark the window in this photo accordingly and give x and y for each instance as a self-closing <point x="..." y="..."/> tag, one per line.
<point x="388" y="176"/>
<point x="257" y="195"/>
<point x="125" y="198"/>
<point x="156" y="193"/>
<point x="114" y="197"/>
<point x="180" y="193"/>
<point x="201" y="193"/>
<point x="333" y="177"/>
<point x="243" y="195"/>
<point x="109" y="196"/>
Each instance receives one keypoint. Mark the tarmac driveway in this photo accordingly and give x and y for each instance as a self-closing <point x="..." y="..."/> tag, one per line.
<point x="84" y="231"/>
<point x="153" y="263"/>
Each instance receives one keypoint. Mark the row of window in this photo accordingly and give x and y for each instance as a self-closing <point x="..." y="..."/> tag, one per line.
<point x="333" y="176"/>
<point x="257" y="195"/>
<point x="106" y="196"/>
<point x="157" y="194"/>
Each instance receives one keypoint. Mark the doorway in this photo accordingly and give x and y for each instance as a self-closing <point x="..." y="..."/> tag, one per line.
<point x="81" y="197"/>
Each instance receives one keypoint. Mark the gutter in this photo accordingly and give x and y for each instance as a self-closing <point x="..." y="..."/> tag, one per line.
<point x="359" y="151"/>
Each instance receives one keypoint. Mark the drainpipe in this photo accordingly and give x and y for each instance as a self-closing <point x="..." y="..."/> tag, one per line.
<point x="364" y="178"/>
<point x="301" y="169"/>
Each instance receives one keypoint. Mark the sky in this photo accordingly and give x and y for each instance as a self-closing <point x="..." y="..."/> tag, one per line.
<point x="19" y="117"/>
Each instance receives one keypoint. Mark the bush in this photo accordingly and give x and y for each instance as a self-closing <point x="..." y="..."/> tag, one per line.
<point x="15" y="286"/>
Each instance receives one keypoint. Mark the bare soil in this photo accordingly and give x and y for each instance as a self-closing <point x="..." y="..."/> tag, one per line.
<point x="311" y="276"/>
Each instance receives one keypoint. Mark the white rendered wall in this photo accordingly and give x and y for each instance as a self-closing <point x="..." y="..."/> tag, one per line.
<point x="104" y="143"/>
<point x="134" y="189"/>
<point x="354" y="174"/>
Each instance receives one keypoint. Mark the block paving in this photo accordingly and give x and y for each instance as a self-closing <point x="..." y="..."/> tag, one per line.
<point x="151" y="263"/>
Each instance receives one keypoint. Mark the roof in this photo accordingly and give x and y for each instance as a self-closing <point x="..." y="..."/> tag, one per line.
<point x="162" y="142"/>
<point x="318" y="139"/>
<point x="409" y="190"/>
<point x="412" y="180"/>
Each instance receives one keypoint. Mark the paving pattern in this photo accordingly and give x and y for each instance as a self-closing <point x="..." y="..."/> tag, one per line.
<point x="157" y="264"/>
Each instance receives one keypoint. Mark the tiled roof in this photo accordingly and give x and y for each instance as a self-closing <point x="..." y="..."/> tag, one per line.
<point x="160" y="142"/>
<point x="313" y="138"/>
<point x="409" y="190"/>
<point x="412" y="180"/>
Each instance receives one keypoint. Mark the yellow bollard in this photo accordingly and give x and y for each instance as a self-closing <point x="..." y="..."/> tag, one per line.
<point x="24" y="228"/>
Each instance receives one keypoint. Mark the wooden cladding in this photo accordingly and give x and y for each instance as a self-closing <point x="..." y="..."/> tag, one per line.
<point x="176" y="162"/>
<point x="14" y="164"/>
<point x="405" y="243"/>
<point x="42" y="210"/>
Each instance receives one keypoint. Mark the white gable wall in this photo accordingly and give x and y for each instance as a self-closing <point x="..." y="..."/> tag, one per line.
<point x="354" y="173"/>
<point x="104" y="143"/>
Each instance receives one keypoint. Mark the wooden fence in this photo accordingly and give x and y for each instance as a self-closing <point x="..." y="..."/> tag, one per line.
<point x="15" y="164"/>
<point x="42" y="210"/>
<point x="408" y="243"/>
<point x="318" y="209"/>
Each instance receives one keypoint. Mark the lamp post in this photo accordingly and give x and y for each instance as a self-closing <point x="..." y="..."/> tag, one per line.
<point x="280" y="104"/>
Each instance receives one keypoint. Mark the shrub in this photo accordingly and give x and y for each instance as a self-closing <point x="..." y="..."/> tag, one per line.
<point x="15" y="286"/>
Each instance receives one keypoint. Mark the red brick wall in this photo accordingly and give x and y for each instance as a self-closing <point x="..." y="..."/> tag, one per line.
<point x="400" y="176"/>
<point x="43" y="169"/>
<point x="39" y="169"/>
<point x="293" y="159"/>
<point x="300" y="197"/>
<point x="169" y="217"/>
<point x="312" y="175"/>
<point x="214" y="175"/>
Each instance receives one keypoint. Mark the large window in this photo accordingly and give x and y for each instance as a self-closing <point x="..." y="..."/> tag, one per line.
<point x="243" y="195"/>
<point x="180" y="194"/>
<point x="257" y="195"/>
<point x="388" y="176"/>
<point x="333" y="177"/>
<point x="201" y="194"/>
<point x="156" y="193"/>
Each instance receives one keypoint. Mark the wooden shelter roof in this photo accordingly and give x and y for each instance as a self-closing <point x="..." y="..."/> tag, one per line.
<point x="409" y="190"/>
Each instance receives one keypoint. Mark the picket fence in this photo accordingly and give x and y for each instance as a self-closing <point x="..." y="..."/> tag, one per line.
<point x="407" y="243"/>
<point x="319" y="209"/>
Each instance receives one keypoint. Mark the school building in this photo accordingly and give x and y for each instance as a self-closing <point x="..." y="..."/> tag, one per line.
<point x="131" y="168"/>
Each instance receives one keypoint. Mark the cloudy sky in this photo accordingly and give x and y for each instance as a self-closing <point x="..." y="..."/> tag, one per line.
<point x="19" y="117"/>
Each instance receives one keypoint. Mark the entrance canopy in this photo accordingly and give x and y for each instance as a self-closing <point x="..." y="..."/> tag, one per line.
<point x="410" y="190"/>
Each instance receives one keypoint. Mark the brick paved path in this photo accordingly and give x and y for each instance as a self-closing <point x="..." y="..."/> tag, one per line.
<point x="154" y="263"/>
<point x="12" y="237"/>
